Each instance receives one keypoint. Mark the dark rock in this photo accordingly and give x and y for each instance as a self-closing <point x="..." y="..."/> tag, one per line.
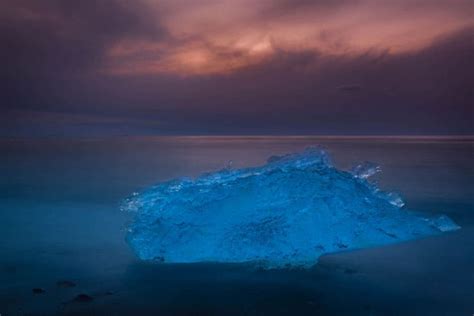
<point x="82" y="298"/>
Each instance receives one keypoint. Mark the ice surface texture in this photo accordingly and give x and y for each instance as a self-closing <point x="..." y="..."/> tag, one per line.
<point x="286" y="213"/>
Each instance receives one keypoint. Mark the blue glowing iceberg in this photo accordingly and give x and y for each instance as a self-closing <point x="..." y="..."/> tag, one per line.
<point x="286" y="213"/>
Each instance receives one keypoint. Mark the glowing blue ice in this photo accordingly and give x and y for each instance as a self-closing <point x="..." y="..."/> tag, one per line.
<point x="286" y="213"/>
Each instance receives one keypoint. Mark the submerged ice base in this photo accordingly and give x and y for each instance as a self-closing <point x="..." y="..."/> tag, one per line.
<point x="286" y="213"/>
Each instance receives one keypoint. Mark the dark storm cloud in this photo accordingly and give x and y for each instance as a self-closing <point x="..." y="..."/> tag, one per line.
<point x="119" y="67"/>
<point x="65" y="35"/>
<point x="424" y="92"/>
<point x="51" y="48"/>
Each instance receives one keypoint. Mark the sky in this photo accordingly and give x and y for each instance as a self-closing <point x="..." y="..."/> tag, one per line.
<point x="220" y="67"/>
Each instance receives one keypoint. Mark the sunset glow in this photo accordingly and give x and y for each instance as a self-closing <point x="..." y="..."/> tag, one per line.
<point x="237" y="66"/>
<point x="212" y="37"/>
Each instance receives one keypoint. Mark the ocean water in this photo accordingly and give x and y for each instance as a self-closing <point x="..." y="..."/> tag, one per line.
<point x="60" y="221"/>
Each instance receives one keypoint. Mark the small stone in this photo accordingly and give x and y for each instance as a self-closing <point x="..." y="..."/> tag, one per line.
<point x="83" y="298"/>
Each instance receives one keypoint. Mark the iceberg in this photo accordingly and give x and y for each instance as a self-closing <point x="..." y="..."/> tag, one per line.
<point x="286" y="213"/>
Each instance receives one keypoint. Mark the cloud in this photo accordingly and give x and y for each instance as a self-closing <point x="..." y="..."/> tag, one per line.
<point x="210" y="37"/>
<point x="219" y="37"/>
<point x="427" y="91"/>
<point x="238" y="66"/>
<point x="57" y="45"/>
<point x="57" y="36"/>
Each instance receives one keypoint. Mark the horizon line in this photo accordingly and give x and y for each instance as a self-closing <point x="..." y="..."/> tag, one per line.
<point x="363" y="136"/>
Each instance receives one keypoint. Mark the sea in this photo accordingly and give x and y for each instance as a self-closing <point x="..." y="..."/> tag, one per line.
<point x="63" y="248"/>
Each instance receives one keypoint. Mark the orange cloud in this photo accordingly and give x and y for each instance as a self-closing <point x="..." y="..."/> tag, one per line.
<point x="223" y="36"/>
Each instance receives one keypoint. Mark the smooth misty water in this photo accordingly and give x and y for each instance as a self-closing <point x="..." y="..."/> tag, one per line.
<point x="59" y="220"/>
